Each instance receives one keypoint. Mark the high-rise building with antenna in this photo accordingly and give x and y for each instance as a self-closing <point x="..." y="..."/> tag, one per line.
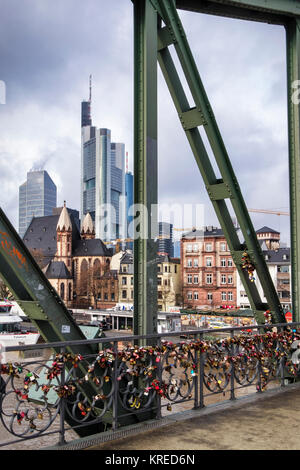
<point x="102" y="177"/>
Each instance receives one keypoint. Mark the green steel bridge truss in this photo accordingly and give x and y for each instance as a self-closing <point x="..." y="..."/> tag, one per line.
<point x="157" y="27"/>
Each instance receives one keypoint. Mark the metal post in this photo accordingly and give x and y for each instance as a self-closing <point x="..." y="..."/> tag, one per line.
<point x="116" y="388"/>
<point x="145" y="166"/>
<point x="62" y="408"/>
<point x="201" y="376"/>
<point x="293" y="80"/>
<point x="232" y="378"/>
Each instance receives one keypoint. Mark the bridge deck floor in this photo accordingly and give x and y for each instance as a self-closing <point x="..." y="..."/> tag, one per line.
<point x="269" y="421"/>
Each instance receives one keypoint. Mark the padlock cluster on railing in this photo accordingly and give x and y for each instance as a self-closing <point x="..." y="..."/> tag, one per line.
<point x="136" y="379"/>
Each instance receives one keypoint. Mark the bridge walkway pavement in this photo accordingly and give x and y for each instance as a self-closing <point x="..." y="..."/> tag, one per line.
<point x="266" y="421"/>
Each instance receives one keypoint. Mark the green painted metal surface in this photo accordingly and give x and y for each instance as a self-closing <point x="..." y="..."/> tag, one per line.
<point x="219" y="190"/>
<point x="293" y="80"/>
<point x="145" y="165"/>
<point x="271" y="11"/>
<point x="33" y="291"/>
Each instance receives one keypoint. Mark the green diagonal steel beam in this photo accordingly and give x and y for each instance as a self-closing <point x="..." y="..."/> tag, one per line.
<point x="202" y="159"/>
<point x="293" y="80"/>
<point x="169" y="15"/>
<point x="30" y="286"/>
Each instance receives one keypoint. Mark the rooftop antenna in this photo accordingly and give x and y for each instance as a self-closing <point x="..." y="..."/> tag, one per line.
<point x="90" y="97"/>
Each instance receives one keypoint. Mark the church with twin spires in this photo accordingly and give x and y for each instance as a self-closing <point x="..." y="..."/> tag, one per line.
<point x="75" y="262"/>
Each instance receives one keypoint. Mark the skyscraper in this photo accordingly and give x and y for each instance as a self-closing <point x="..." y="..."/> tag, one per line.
<point x="37" y="197"/>
<point x="102" y="178"/>
<point x="165" y="240"/>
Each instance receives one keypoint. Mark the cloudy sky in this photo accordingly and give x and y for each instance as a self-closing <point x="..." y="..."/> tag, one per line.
<point x="48" y="49"/>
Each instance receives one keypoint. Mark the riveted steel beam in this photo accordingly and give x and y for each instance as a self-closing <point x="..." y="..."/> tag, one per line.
<point x="207" y="172"/>
<point x="145" y="165"/>
<point x="268" y="11"/>
<point x="229" y="187"/>
<point x="293" y="80"/>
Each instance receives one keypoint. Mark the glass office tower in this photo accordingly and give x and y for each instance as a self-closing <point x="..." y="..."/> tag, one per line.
<point x="165" y="239"/>
<point x="102" y="179"/>
<point x="37" y="197"/>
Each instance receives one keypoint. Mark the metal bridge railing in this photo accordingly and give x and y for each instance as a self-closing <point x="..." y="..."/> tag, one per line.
<point x="135" y="378"/>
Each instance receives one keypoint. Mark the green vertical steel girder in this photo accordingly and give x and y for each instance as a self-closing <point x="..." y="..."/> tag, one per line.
<point x="145" y="166"/>
<point x="293" y="80"/>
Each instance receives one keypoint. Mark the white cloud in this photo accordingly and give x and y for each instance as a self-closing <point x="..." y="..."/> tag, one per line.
<point x="47" y="68"/>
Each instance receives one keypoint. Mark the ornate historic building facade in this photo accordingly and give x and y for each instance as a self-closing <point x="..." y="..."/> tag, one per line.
<point x="76" y="263"/>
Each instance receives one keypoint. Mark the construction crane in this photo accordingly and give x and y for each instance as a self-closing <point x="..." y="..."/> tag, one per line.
<point x="266" y="211"/>
<point x="263" y="211"/>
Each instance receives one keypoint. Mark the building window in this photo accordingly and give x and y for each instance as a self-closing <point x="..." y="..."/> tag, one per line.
<point x="208" y="261"/>
<point x="229" y="262"/>
<point x="195" y="247"/>
<point x="209" y="296"/>
<point x="159" y="295"/>
<point x="223" y="262"/>
<point x="223" y="246"/>
<point x="124" y="281"/>
<point x="124" y="269"/>
<point x="283" y="269"/>
<point x="189" y="262"/>
<point x="112" y="296"/>
<point x="196" y="263"/>
<point x="223" y="296"/>
<point x="230" y="280"/>
<point x="189" y="248"/>
<point x="158" y="268"/>
<point x="223" y="279"/>
<point x="159" y="281"/>
<point x="124" y="294"/>
<point x="208" y="247"/>
<point x="208" y="278"/>
<point x="131" y="280"/>
<point x="196" y="280"/>
<point x="105" y="296"/>
<point x="175" y="269"/>
<point x="190" y="295"/>
<point x="230" y="296"/>
<point x="196" y="295"/>
<point x="62" y="291"/>
<point x="189" y="279"/>
<point x="166" y="269"/>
